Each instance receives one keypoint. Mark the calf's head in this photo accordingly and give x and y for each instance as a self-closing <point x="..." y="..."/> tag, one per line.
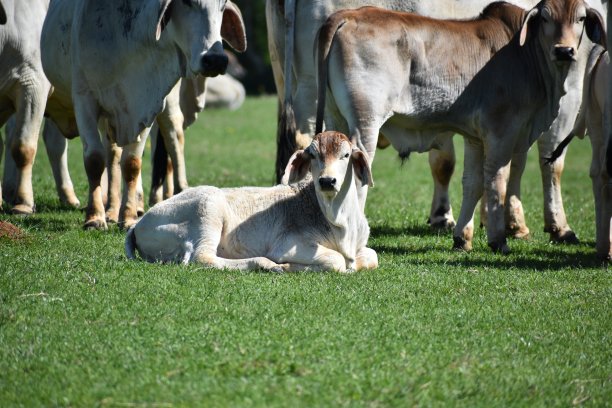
<point x="198" y="26"/>
<point x="331" y="158"/>
<point x="560" y="25"/>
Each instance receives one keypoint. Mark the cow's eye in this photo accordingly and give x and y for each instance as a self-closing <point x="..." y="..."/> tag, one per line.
<point x="346" y="156"/>
<point x="581" y="19"/>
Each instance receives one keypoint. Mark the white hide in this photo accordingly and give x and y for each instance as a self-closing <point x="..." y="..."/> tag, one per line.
<point x="286" y="227"/>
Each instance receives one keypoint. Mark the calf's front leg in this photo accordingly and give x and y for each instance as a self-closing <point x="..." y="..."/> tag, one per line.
<point x="472" y="192"/>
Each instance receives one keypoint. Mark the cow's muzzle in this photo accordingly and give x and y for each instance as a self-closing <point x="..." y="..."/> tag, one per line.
<point x="565" y="54"/>
<point x="327" y="183"/>
<point x="213" y="64"/>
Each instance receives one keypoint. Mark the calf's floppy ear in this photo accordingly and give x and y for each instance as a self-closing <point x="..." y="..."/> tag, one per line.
<point x="232" y="27"/>
<point x="163" y="17"/>
<point x="361" y="166"/>
<point x="297" y="167"/>
<point x="524" y="28"/>
<point x="594" y="25"/>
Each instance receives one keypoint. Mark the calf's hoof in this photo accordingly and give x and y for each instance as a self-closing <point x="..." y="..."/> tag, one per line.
<point x="460" y="244"/>
<point x="499" y="248"/>
<point x="366" y="258"/>
<point x="22" y="209"/>
<point x="567" y="237"/>
<point x="95" y="224"/>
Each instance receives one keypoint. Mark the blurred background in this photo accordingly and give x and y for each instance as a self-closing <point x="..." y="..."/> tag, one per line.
<point x="257" y="75"/>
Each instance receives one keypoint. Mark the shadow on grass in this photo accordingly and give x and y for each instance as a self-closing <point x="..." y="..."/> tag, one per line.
<point x="382" y="231"/>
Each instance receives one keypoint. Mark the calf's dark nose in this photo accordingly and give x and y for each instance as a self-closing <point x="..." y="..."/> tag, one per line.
<point x="214" y="64"/>
<point x="327" y="183"/>
<point x="564" y="53"/>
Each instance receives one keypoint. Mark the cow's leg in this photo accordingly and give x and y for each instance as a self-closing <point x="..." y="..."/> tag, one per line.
<point x="305" y="110"/>
<point x="158" y="175"/>
<point x="515" y="217"/>
<point x="131" y="161"/>
<point x="86" y="111"/>
<point x="1" y="153"/>
<point x="169" y="180"/>
<point x="170" y="123"/>
<point x="29" y="109"/>
<point x="57" y="150"/>
<point x="113" y="179"/>
<point x="9" y="179"/>
<point x="601" y="189"/>
<point x="555" y="221"/>
<point x="496" y="174"/>
<point x="473" y="183"/>
<point x="442" y="164"/>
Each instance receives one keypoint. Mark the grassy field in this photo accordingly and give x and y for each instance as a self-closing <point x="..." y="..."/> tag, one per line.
<point x="82" y="326"/>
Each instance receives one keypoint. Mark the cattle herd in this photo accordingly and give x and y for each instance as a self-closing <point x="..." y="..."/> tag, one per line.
<point x="409" y="74"/>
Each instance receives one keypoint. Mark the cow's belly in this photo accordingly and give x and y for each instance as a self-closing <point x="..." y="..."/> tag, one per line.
<point x="407" y="137"/>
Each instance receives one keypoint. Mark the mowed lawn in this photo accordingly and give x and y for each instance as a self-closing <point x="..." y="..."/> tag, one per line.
<point x="82" y="326"/>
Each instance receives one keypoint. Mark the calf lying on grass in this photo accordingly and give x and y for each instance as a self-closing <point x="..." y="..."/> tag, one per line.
<point x="315" y="225"/>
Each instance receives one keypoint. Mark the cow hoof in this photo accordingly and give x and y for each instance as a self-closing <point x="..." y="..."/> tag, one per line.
<point x="72" y="203"/>
<point x="126" y="224"/>
<point x="499" y="248"/>
<point x="522" y="233"/>
<point x="95" y="224"/>
<point x="442" y="224"/>
<point x="568" y="238"/>
<point x="460" y="244"/>
<point x="22" y="209"/>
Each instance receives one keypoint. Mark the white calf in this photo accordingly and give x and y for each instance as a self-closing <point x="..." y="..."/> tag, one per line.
<point x="316" y="225"/>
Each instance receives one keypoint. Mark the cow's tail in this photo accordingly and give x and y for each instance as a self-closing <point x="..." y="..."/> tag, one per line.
<point x="325" y="38"/>
<point x="130" y="243"/>
<point x="286" y="130"/>
<point x="160" y="161"/>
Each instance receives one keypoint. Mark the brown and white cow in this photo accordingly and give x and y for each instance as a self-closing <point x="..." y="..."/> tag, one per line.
<point x="292" y="25"/>
<point x="433" y="75"/>
<point x="308" y="225"/>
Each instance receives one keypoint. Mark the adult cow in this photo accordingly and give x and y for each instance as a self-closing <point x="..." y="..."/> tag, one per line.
<point x="116" y="61"/>
<point x="23" y="95"/>
<point x="299" y="75"/>
<point x="501" y="106"/>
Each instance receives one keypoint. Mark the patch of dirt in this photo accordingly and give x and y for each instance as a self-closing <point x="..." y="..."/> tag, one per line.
<point x="10" y="231"/>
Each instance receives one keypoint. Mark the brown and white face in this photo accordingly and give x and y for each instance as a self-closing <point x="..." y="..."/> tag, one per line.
<point x="331" y="158"/>
<point x="560" y="25"/>
<point x="198" y="26"/>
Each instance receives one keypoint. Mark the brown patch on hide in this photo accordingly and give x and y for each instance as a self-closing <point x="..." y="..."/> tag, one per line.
<point x="329" y="144"/>
<point x="443" y="170"/>
<point x="131" y="169"/>
<point x="23" y="154"/>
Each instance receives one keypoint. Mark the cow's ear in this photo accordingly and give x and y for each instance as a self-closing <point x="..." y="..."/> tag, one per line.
<point x="232" y="27"/>
<point x="594" y="25"/>
<point x="361" y="165"/>
<point x="297" y="168"/>
<point x="163" y="17"/>
<point x="2" y="14"/>
<point x="529" y="17"/>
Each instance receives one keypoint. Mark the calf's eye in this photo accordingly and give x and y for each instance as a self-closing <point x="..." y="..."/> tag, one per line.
<point x="346" y="156"/>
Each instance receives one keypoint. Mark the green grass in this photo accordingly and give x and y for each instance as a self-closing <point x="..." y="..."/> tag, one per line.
<point x="82" y="326"/>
